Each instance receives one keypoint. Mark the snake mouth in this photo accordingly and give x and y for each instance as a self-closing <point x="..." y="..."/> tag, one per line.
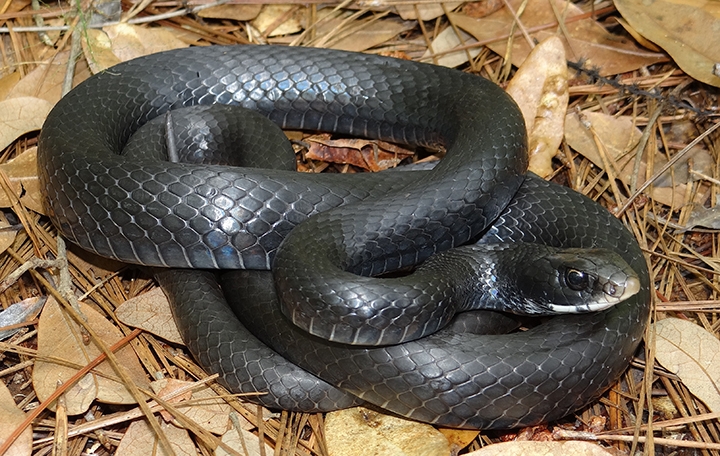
<point x="614" y="293"/>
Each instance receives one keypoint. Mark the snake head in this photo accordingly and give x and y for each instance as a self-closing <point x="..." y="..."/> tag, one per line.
<point x="575" y="281"/>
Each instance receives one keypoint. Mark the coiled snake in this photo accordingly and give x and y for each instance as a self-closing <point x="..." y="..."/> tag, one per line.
<point x="208" y="216"/>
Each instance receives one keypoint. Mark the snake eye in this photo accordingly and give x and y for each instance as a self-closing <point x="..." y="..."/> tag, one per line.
<point x="576" y="280"/>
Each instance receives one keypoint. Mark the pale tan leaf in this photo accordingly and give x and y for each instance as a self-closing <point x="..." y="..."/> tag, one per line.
<point x="20" y="312"/>
<point x="619" y="137"/>
<point x="271" y="14"/>
<point x="424" y="11"/>
<point x="371" y="35"/>
<point x="540" y="88"/>
<point x="45" y="81"/>
<point x="687" y="30"/>
<point x="132" y="41"/>
<point x="360" y="431"/>
<point x="150" y="311"/>
<point x="140" y="440"/>
<point x="60" y="337"/>
<point x="459" y="438"/>
<point x="19" y="116"/>
<point x="57" y="337"/>
<point x="206" y="409"/>
<point x="586" y="39"/>
<point x="236" y="12"/>
<point x="98" y="51"/>
<point x="123" y="42"/>
<point x="446" y="41"/>
<point x="235" y="439"/>
<point x="7" y="83"/>
<point x="22" y="171"/>
<point x="542" y="449"/>
<point x="10" y="419"/>
<point x="7" y="236"/>
<point x="693" y="354"/>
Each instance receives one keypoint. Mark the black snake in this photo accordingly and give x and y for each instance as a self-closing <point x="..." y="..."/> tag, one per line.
<point x="209" y="216"/>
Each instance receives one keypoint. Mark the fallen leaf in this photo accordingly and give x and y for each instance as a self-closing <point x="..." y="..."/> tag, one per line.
<point x="19" y="116"/>
<point x="360" y="431"/>
<point x="542" y="449"/>
<point x="373" y="155"/>
<point x="123" y="42"/>
<point x="693" y="354"/>
<point x="540" y="88"/>
<point x="681" y="28"/>
<point x="585" y="40"/>
<point x="140" y="440"/>
<point x="459" y="438"/>
<point x="151" y="312"/>
<point x="235" y="438"/>
<point x="60" y="337"/>
<point x="206" y="409"/>
<point x="7" y="234"/>
<point x="10" y="418"/>
<point x="7" y="83"/>
<point x="45" y="80"/>
<point x="704" y="217"/>
<point x="374" y="33"/>
<point x="447" y="40"/>
<point x="98" y="51"/>
<point x="23" y="174"/>
<point x="269" y="16"/>
<point x="20" y="312"/>
<point x="424" y="11"/>
<point x="481" y="9"/>
<point x="236" y="12"/>
<point x="619" y="137"/>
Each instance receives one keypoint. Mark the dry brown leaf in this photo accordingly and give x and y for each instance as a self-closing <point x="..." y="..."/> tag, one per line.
<point x="45" y="81"/>
<point x="233" y="437"/>
<point x="540" y="88"/>
<point x="22" y="172"/>
<point x="271" y="14"/>
<point x="207" y="409"/>
<point x="688" y="30"/>
<point x="481" y="9"/>
<point x="424" y="11"/>
<point x="123" y="42"/>
<point x="371" y="35"/>
<point x="459" y="438"/>
<point x="20" y="312"/>
<point x="587" y="40"/>
<point x="360" y="431"/>
<point x="704" y="217"/>
<point x="7" y="236"/>
<point x="98" y="51"/>
<point x="140" y="440"/>
<point x="236" y="12"/>
<point x="10" y="419"/>
<point x="620" y="137"/>
<point x="693" y="354"/>
<point x="19" y="116"/>
<point x="446" y="41"/>
<point x="7" y="83"/>
<point x="372" y="155"/>
<point x="60" y="337"/>
<point x="151" y="312"/>
<point x="542" y="449"/>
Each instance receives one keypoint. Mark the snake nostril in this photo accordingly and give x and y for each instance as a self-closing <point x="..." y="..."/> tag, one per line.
<point x="611" y="289"/>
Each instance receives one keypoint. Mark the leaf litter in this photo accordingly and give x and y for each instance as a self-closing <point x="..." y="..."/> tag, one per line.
<point x="615" y="139"/>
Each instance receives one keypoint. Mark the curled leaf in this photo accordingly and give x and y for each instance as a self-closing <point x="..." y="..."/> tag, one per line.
<point x="693" y="354"/>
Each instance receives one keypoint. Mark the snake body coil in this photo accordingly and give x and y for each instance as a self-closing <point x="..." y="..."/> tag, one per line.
<point x="201" y="216"/>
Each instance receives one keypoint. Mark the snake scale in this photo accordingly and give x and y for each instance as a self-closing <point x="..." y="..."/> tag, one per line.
<point x="155" y="213"/>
